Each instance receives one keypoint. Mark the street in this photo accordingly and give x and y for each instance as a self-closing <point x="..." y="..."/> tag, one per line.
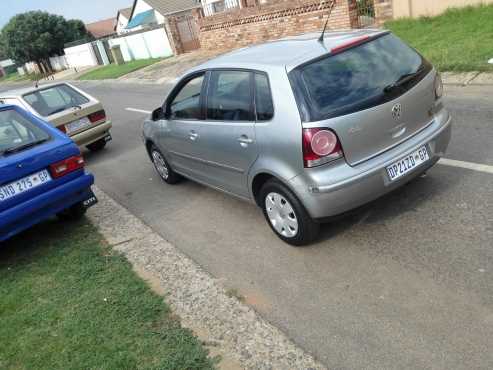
<point x="404" y="283"/>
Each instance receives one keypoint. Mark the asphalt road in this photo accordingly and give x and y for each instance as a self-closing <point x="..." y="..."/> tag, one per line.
<point x="406" y="283"/>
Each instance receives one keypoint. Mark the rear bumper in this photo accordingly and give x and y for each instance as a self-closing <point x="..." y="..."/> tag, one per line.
<point x="93" y="134"/>
<point x="35" y="210"/>
<point x="338" y="188"/>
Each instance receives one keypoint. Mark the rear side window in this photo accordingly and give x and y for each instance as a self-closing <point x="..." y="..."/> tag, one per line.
<point x="186" y="104"/>
<point x="355" y="79"/>
<point x="17" y="131"/>
<point x="263" y="98"/>
<point x="229" y="96"/>
<point x="54" y="99"/>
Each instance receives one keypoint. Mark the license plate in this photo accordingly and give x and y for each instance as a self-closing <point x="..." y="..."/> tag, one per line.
<point x="77" y="125"/>
<point x="89" y="202"/>
<point x="25" y="184"/>
<point x="407" y="164"/>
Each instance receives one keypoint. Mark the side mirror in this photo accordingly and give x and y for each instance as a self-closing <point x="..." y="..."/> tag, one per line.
<point x="157" y="114"/>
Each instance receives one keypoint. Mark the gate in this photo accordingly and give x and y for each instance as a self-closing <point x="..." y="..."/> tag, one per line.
<point x="188" y="31"/>
<point x="366" y="13"/>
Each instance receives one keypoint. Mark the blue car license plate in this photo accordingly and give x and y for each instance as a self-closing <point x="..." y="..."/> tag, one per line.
<point x="25" y="184"/>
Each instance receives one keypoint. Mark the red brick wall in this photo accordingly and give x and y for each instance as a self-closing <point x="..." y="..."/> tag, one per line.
<point x="276" y="19"/>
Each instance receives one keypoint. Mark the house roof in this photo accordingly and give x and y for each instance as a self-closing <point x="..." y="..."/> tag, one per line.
<point x="140" y="19"/>
<point x="101" y="28"/>
<point x="167" y="7"/>
<point x="126" y="12"/>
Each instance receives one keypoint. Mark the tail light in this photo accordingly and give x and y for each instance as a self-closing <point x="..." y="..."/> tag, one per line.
<point x="62" y="128"/>
<point x="320" y="146"/>
<point x="438" y="86"/>
<point x="66" y="166"/>
<point x="97" y="116"/>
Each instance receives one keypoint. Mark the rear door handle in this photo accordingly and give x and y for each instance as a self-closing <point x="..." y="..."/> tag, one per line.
<point x="193" y="135"/>
<point x="244" y="140"/>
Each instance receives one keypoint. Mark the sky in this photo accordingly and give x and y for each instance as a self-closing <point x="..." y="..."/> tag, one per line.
<point x="86" y="10"/>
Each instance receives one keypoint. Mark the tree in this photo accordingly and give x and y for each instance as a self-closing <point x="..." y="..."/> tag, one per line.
<point x="36" y="36"/>
<point x="76" y="30"/>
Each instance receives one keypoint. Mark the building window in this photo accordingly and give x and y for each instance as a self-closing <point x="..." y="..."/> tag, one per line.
<point x="218" y="6"/>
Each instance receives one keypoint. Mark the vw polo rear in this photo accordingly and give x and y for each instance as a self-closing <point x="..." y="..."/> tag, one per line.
<point x="41" y="173"/>
<point x="372" y="119"/>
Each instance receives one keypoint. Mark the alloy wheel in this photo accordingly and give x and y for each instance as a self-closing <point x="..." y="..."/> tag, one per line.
<point x="160" y="164"/>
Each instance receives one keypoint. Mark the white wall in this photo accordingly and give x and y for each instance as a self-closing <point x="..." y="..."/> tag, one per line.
<point x="121" y="23"/>
<point x="6" y="63"/>
<point x="142" y="6"/>
<point x="81" y="56"/>
<point x="417" y="8"/>
<point x="59" y="63"/>
<point x="150" y="44"/>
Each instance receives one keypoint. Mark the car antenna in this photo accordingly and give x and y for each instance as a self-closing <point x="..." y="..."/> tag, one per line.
<point x="321" y="38"/>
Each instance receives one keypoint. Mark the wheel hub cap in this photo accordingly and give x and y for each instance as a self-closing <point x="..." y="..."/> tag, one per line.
<point x="160" y="165"/>
<point x="281" y="215"/>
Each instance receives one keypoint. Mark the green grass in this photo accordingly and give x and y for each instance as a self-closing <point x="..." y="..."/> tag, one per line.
<point x="14" y="77"/>
<point x="67" y="301"/>
<point x="458" y="40"/>
<point x="115" y="71"/>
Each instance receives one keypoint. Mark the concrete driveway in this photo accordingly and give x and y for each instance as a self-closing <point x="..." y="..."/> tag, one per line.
<point x="405" y="283"/>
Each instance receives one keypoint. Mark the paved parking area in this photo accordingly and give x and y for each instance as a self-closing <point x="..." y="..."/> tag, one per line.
<point x="405" y="283"/>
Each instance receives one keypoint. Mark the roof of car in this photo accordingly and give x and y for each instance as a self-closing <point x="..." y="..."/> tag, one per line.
<point x="288" y="52"/>
<point x="26" y="90"/>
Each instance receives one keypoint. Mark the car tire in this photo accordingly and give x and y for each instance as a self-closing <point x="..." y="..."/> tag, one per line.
<point x="74" y="213"/>
<point x="286" y="215"/>
<point x="97" y="145"/>
<point x="163" y="168"/>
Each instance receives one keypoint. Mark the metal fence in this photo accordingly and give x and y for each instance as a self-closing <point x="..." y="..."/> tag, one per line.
<point x="366" y="13"/>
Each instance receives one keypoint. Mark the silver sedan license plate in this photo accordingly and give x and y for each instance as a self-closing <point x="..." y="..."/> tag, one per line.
<point x="405" y="165"/>
<point x="77" y="125"/>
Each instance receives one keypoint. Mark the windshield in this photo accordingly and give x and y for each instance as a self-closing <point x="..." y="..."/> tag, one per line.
<point x="360" y="77"/>
<point x="17" y="132"/>
<point x="54" y="99"/>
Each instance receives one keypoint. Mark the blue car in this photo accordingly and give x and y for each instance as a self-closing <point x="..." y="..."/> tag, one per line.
<point x="41" y="173"/>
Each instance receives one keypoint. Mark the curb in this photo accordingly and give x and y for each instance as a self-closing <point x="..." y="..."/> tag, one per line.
<point x="234" y="330"/>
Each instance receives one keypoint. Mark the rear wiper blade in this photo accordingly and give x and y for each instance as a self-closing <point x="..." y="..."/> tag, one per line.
<point x="403" y="79"/>
<point x="23" y="147"/>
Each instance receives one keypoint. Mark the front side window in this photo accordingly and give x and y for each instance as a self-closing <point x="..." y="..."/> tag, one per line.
<point x="54" y="99"/>
<point x="263" y="98"/>
<point x="357" y="78"/>
<point x="17" y="132"/>
<point x="229" y="96"/>
<point x="186" y="104"/>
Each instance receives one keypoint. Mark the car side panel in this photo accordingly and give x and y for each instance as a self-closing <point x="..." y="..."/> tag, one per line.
<point x="280" y="139"/>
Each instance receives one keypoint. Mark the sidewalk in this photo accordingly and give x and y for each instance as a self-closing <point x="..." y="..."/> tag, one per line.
<point x="170" y="68"/>
<point x="227" y="326"/>
<point x="467" y="78"/>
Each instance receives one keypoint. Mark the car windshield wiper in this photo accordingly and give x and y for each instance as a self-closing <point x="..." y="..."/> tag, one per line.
<point x="16" y="149"/>
<point x="403" y="79"/>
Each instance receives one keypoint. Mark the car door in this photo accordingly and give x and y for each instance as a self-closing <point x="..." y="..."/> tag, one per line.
<point x="227" y="136"/>
<point x="179" y="132"/>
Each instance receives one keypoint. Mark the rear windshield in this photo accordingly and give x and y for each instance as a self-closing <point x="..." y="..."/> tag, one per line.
<point x="16" y="132"/>
<point x="54" y="99"/>
<point x="357" y="78"/>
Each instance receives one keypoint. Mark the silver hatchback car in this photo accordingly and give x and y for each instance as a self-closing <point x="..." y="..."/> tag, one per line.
<point x="306" y="129"/>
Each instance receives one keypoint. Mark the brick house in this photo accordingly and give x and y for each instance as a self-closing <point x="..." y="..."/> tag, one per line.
<point x="175" y="15"/>
<point x="255" y="21"/>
